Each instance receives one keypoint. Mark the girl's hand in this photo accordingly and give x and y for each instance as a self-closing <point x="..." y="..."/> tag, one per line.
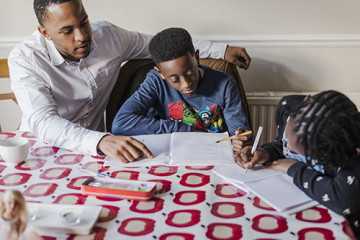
<point x="245" y="160"/>
<point x="282" y="165"/>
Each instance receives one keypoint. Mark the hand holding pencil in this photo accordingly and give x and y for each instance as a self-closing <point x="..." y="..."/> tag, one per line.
<point x="234" y="136"/>
<point x="249" y="156"/>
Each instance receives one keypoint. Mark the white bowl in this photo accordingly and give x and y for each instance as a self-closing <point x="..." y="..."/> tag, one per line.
<point x="70" y="216"/>
<point x="14" y="150"/>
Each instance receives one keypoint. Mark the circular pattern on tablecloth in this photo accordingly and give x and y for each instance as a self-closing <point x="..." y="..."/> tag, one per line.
<point x="190" y="202"/>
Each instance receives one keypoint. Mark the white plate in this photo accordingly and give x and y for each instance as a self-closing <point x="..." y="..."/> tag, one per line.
<point x="47" y="218"/>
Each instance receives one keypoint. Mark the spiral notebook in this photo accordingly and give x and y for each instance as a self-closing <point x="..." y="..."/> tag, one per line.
<point x="275" y="188"/>
<point x="183" y="148"/>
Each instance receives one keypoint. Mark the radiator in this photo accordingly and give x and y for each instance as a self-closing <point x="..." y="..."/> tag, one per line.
<point x="262" y="113"/>
<point x="262" y="106"/>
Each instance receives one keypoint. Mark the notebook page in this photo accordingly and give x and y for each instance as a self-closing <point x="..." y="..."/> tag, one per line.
<point x="239" y="174"/>
<point x="281" y="194"/>
<point x="197" y="148"/>
<point x="158" y="144"/>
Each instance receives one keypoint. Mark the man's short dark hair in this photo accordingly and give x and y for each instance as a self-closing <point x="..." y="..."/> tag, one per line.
<point x="170" y="44"/>
<point x="40" y="7"/>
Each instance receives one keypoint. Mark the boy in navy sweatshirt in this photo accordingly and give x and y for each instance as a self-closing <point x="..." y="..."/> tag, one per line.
<point x="179" y="95"/>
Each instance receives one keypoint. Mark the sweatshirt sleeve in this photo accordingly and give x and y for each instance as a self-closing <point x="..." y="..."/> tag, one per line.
<point x="339" y="192"/>
<point x="133" y="118"/>
<point x="233" y="112"/>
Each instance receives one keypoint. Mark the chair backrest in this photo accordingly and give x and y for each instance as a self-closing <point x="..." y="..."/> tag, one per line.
<point x="133" y="73"/>
<point x="4" y="73"/>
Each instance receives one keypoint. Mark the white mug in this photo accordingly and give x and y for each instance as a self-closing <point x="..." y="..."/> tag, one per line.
<point x="14" y="150"/>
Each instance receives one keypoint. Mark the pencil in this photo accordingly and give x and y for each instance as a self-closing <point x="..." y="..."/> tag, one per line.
<point x="256" y="142"/>
<point x="232" y="137"/>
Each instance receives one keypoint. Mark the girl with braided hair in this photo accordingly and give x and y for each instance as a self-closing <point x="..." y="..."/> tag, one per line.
<point x="318" y="144"/>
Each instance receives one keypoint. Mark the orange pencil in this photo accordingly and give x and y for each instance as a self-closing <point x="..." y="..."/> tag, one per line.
<point x="232" y="137"/>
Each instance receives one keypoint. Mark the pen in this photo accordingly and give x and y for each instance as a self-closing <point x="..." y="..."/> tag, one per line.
<point x="232" y="137"/>
<point x="256" y="142"/>
<point x="96" y="174"/>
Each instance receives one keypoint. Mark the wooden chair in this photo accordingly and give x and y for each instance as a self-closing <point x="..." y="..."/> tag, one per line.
<point x="4" y="73"/>
<point x="133" y="73"/>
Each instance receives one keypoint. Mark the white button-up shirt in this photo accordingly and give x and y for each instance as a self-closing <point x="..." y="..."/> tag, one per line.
<point x="63" y="104"/>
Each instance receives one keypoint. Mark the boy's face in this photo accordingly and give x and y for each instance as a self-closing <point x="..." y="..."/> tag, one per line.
<point x="67" y="26"/>
<point x="181" y="73"/>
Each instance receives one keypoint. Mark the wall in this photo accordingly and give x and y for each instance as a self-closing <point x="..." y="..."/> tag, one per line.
<point x="296" y="46"/>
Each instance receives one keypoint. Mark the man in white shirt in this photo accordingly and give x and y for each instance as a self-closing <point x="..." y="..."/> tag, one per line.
<point x="63" y="74"/>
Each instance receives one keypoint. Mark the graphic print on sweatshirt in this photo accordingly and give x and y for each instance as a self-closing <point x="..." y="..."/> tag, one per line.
<point x="209" y="119"/>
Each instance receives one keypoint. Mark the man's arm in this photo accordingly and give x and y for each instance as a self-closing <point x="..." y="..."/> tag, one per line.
<point x="138" y="48"/>
<point x="235" y="55"/>
<point x="40" y="114"/>
<point x="133" y="119"/>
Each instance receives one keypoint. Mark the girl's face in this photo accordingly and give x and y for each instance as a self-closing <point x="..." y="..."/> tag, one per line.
<point x="10" y="204"/>
<point x="292" y="144"/>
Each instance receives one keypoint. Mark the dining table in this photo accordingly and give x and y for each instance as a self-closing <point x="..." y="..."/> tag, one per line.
<point x="190" y="202"/>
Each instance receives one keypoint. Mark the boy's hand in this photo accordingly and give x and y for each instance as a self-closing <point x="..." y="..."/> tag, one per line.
<point x="237" y="56"/>
<point x="240" y="141"/>
<point x="127" y="149"/>
<point x="245" y="160"/>
<point x="282" y="165"/>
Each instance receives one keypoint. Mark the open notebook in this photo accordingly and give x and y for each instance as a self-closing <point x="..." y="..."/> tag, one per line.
<point x="183" y="148"/>
<point x="275" y="188"/>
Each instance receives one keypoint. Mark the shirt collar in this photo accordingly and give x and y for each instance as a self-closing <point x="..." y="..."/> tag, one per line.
<point x="57" y="59"/>
<point x="55" y="56"/>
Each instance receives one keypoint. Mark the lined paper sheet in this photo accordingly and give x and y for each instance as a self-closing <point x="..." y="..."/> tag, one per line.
<point x="158" y="144"/>
<point x="239" y="174"/>
<point x="275" y="188"/>
<point x="183" y="148"/>
<point x="197" y="148"/>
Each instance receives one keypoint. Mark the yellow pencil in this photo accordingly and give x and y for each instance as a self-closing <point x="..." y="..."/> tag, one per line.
<point x="232" y="137"/>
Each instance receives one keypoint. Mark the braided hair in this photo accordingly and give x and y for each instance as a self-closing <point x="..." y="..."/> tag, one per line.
<point x="40" y="7"/>
<point x="328" y="127"/>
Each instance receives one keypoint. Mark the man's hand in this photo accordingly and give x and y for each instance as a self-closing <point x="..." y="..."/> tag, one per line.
<point x="127" y="149"/>
<point x="282" y="165"/>
<point x="240" y="141"/>
<point x="238" y="56"/>
<point x="245" y="160"/>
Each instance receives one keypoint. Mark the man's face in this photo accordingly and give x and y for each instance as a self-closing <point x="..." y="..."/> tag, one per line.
<point x="67" y="26"/>
<point x="181" y="73"/>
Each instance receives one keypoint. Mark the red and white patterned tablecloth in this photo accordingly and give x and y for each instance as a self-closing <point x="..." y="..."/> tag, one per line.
<point x="190" y="202"/>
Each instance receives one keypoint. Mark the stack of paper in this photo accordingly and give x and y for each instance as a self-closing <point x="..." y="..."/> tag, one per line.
<point x="275" y="188"/>
<point x="183" y="148"/>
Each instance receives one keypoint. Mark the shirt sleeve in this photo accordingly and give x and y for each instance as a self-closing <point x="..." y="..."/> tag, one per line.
<point x="40" y="113"/>
<point x="133" y="118"/>
<point x="233" y="112"/>
<point x="135" y="45"/>
<point x="339" y="192"/>
<point x="210" y="50"/>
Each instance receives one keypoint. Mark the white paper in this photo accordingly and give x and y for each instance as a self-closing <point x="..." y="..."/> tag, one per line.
<point x="158" y="144"/>
<point x="196" y="148"/>
<point x="179" y="148"/>
<point x="280" y="193"/>
<point x="239" y="174"/>
<point x="275" y="188"/>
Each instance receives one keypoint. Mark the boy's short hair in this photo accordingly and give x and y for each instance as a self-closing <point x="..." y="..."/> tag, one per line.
<point x="170" y="44"/>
